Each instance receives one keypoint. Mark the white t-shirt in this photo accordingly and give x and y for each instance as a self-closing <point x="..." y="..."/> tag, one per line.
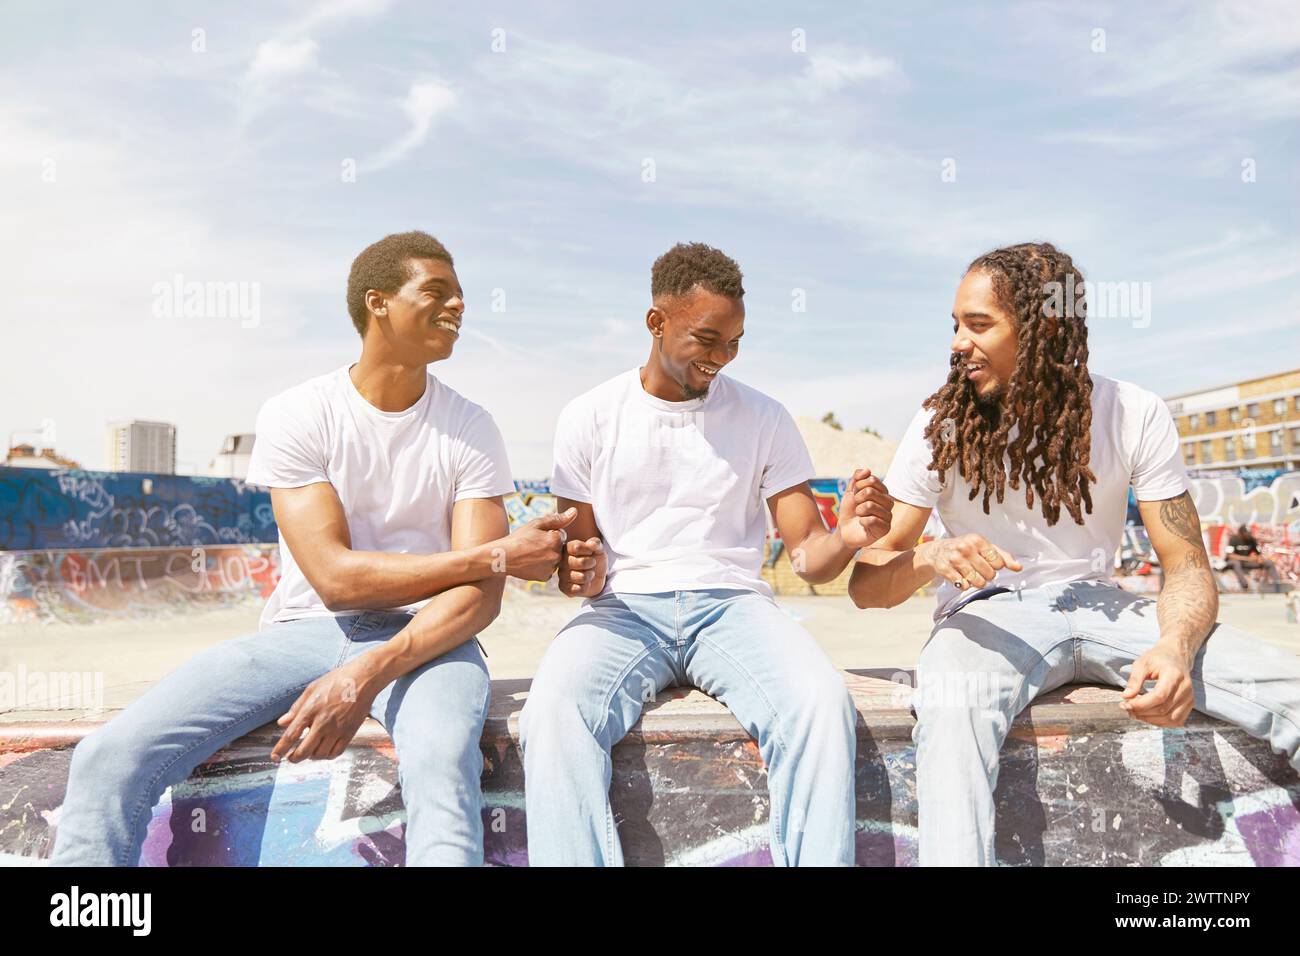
<point x="678" y="488"/>
<point x="1134" y="444"/>
<point x="397" y="473"/>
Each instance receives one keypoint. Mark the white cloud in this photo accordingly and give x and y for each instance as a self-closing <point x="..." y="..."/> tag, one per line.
<point x="1116" y="141"/>
<point x="425" y="102"/>
<point x="276" y="58"/>
<point x="1219" y="59"/>
<point x="85" y="253"/>
<point x="830" y="73"/>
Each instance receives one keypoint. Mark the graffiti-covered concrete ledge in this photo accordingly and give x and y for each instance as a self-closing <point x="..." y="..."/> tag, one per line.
<point x="1081" y="783"/>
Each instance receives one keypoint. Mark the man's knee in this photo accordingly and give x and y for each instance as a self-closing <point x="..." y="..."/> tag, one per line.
<point x="820" y="707"/>
<point x="452" y="751"/>
<point x="104" y="760"/>
<point x="551" y="715"/>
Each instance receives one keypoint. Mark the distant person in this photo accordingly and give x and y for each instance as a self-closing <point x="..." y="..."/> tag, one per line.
<point x="670" y="466"/>
<point x="387" y="488"/>
<point x="1029" y="457"/>
<point x="1244" y="555"/>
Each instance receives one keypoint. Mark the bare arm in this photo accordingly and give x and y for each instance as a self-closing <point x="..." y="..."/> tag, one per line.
<point x="583" y="564"/>
<point x="333" y="707"/>
<point x="452" y="616"/>
<point x="1189" y="599"/>
<point x="315" y="528"/>
<point x="817" y="554"/>
<point x="889" y="572"/>
<point x="1186" y="609"/>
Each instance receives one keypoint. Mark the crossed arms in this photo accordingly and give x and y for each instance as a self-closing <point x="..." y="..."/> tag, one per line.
<point x="463" y="585"/>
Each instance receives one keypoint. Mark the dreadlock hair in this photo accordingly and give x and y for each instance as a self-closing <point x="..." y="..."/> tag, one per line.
<point x="1048" y="399"/>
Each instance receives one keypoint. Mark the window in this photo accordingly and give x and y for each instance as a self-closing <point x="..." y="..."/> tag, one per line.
<point x="1210" y="418"/>
<point x="1252" y="410"/>
<point x="1275" y="441"/>
<point x="1234" y="414"/>
<point x="1193" y="422"/>
<point x="1295" y="438"/>
<point x="1248" y="443"/>
<point x="1279" y="406"/>
<point x="1207" y="451"/>
<point x="1229" y="449"/>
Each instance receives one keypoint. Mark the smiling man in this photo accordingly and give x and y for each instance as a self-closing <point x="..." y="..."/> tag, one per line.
<point x="669" y="467"/>
<point x="387" y="488"/>
<point x="1029" y="457"/>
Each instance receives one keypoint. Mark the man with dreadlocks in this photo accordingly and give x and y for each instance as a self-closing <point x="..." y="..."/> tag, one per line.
<point x="1029" y="457"/>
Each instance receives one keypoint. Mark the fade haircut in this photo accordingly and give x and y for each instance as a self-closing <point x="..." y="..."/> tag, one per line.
<point x="691" y="265"/>
<point x="385" y="267"/>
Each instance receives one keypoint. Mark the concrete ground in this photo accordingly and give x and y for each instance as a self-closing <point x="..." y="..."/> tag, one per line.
<point x="132" y="654"/>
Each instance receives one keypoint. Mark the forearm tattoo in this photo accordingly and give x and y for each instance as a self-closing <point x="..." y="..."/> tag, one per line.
<point x="1188" y="601"/>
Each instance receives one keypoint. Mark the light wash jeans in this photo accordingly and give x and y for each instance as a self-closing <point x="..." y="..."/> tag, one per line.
<point x="434" y="714"/>
<point x="989" y="660"/>
<point x="737" y="646"/>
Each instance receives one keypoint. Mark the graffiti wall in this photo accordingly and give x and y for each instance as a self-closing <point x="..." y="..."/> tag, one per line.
<point x="1227" y="501"/>
<point x="63" y="508"/>
<point x="96" y="584"/>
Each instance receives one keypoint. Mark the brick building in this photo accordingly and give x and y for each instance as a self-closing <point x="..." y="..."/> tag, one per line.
<point x="1250" y="425"/>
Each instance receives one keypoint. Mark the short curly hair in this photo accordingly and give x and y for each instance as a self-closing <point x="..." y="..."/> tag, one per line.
<point x="690" y="265"/>
<point x="385" y="266"/>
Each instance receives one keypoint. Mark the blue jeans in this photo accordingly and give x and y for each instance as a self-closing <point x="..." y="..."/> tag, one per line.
<point x="434" y="715"/>
<point x="737" y="646"/>
<point x="989" y="660"/>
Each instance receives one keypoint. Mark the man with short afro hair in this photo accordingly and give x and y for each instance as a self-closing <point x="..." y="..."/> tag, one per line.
<point x="670" y="468"/>
<point x="689" y="265"/>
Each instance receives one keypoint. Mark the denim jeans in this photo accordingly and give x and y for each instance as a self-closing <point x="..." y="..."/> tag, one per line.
<point x="434" y="715"/>
<point x="737" y="646"/>
<point x="989" y="660"/>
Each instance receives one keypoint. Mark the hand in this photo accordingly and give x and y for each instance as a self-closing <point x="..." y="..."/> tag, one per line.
<point x="865" y="510"/>
<point x="969" y="561"/>
<point x="1171" y="700"/>
<point x="330" y="709"/>
<point x="532" y="551"/>
<point x="582" y="572"/>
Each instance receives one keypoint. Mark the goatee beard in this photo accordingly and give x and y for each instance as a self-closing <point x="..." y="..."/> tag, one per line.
<point x="989" y="405"/>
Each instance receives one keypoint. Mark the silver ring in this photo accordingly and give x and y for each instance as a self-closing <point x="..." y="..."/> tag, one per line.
<point x="959" y="584"/>
<point x="564" y="537"/>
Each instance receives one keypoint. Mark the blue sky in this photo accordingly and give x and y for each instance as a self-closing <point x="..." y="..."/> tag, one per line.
<point x="128" y="156"/>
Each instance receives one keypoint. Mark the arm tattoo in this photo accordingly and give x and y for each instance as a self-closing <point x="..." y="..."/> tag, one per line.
<point x="1188" y="602"/>
<point x="1179" y="516"/>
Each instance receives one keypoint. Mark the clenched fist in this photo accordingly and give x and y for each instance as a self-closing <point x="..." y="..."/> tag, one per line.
<point x="865" y="510"/>
<point x="583" y="567"/>
<point x="533" y="550"/>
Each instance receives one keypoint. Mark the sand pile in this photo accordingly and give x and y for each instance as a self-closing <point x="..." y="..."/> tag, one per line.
<point x="836" y="454"/>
